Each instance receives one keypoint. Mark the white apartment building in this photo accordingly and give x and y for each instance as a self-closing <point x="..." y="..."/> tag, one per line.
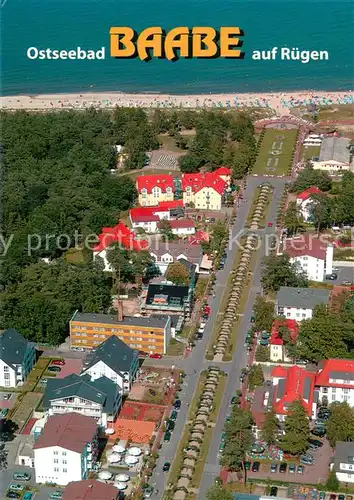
<point x="299" y="303"/>
<point x="344" y="461"/>
<point x="304" y="201"/>
<point x="335" y="381"/>
<point x="66" y="450"/>
<point x="17" y="358"/>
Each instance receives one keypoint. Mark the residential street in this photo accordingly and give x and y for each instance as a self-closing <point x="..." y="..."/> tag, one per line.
<point x="196" y="362"/>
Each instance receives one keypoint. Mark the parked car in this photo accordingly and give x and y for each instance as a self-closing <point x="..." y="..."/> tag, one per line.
<point x="270" y="224"/>
<point x="333" y="497"/>
<point x="341" y="497"/>
<point x="318" y="431"/>
<point x="174" y="415"/>
<point x="148" y="492"/>
<point x="7" y="396"/>
<point x="54" y="369"/>
<point x="314" y="444"/>
<point x="28" y="495"/>
<point x="166" y="466"/>
<point x="273" y="491"/>
<point x="283" y="467"/>
<point x="58" y="362"/>
<point x="274" y="468"/>
<point x="223" y="437"/>
<point x="346" y="283"/>
<point x="167" y="437"/>
<point x="177" y="404"/>
<point x="228" y="419"/>
<point x="322" y="495"/>
<point x="56" y="495"/>
<point x="306" y="459"/>
<point x="199" y="336"/>
<point x="21" y="476"/>
<point x="12" y="494"/>
<point x="16" y="487"/>
<point x="300" y="469"/>
<point x="234" y="400"/>
<point x="155" y="355"/>
<point x="247" y="465"/>
<point x="170" y="425"/>
<point x="264" y="342"/>
<point x="255" y="466"/>
<point x="292" y="469"/>
<point x="331" y="277"/>
<point x="221" y="448"/>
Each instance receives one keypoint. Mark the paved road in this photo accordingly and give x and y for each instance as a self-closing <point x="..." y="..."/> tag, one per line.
<point x="196" y="362"/>
<point x="212" y="468"/>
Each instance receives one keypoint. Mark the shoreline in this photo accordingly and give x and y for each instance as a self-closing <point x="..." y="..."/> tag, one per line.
<point x="281" y="102"/>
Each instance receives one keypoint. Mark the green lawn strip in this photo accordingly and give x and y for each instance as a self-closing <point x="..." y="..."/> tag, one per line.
<point x="307" y="152"/>
<point x="285" y="158"/>
<point x="175" y="348"/>
<point x="345" y="254"/>
<point x="261" y="222"/>
<point x="201" y="286"/>
<point x="241" y="307"/>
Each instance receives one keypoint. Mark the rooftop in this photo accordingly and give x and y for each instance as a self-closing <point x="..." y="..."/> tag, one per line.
<point x="198" y="181"/>
<point x="148" y="182"/>
<point x="305" y="245"/>
<point x="70" y="431"/>
<point x="301" y="298"/>
<point x="193" y="253"/>
<point x="341" y="370"/>
<point x="335" y="148"/>
<point x="110" y="319"/>
<point x="290" y="324"/>
<point x="89" y="489"/>
<point x="172" y="295"/>
<point x="297" y="383"/>
<point x="223" y="171"/>
<point x="114" y="353"/>
<point x="120" y="234"/>
<point x="182" y="223"/>
<point x="304" y="195"/>
<point x="101" y="391"/>
<point x="13" y="347"/>
<point x="344" y="454"/>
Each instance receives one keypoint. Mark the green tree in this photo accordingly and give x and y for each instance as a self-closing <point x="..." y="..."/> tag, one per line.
<point x="340" y="425"/>
<point x="297" y="431"/>
<point x="309" y="177"/>
<point x="177" y="273"/>
<point x="263" y="314"/>
<point x="165" y="229"/>
<point x="255" y="377"/>
<point x="262" y="354"/>
<point x="219" y="233"/>
<point x="293" y="220"/>
<point x="319" y="210"/>
<point x="269" y="431"/>
<point x="217" y="492"/>
<point x="277" y="271"/>
<point x="332" y="483"/>
<point x="239" y="439"/>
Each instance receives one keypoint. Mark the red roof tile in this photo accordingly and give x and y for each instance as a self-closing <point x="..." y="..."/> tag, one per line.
<point x="119" y="234"/>
<point x="278" y="371"/>
<point x="148" y="182"/>
<point x="145" y="214"/>
<point x="343" y="369"/>
<point x="223" y="171"/>
<point x="288" y="323"/>
<point x="305" y="245"/>
<point x="199" y="181"/>
<point x="181" y="223"/>
<point x="168" y="205"/>
<point x="304" y="195"/>
<point x="71" y="431"/>
<point x="89" y="489"/>
<point x="198" y="237"/>
<point x="299" y="385"/>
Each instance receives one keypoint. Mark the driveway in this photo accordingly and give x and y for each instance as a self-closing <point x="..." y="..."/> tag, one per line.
<point x="196" y="362"/>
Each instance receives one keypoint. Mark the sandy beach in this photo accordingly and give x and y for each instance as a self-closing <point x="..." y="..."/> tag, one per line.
<point x="281" y="103"/>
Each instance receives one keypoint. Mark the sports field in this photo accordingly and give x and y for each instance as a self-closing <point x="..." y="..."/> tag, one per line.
<point x="276" y="152"/>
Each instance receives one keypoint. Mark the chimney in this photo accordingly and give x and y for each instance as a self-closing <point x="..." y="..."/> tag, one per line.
<point x="120" y="310"/>
<point x="329" y="260"/>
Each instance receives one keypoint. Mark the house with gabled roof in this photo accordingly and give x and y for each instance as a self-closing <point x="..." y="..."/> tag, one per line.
<point x="115" y="360"/>
<point x="152" y="189"/>
<point x="335" y="381"/>
<point x="67" y="449"/>
<point x="100" y="398"/>
<point x="90" y="489"/>
<point x="203" y="190"/>
<point x="304" y="200"/>
<point x="17" y="358"/>
<point x="299" y="303"/>
<point x="343" y="463"/>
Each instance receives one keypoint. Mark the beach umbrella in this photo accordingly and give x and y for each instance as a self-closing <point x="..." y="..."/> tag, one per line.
<point x="134" y="451"/>
<point x="130" y="460"/>
<point x="122" y="478"/>
<point x="114" y="458"/>
<point x="118" y="448"/>
<point x="109" y="431"/>
<point x="105" y="475"/>
<point x="121" y="486"/>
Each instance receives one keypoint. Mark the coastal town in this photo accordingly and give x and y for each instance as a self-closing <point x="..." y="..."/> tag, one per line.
<point x="177" y="300"/>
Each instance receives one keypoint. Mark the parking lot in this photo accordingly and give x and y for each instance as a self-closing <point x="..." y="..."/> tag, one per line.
<point x="313" y="474"/>
<point x="41" y="492"/>
<point x="7" y="400"/>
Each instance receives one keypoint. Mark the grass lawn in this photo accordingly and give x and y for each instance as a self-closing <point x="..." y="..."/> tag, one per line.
<point x="149" y="171"/>
<point x="284" y="159"/>
<point x="169" y="143"/>
<point x="336" y="112"/>
<point x="307" y="152"/>
<point x="201" y="286"/>
<point x="345" y="254"/>
<point x="23" y="411"/>
<point x="74" y="256"/>
<point x="175" y="348"/>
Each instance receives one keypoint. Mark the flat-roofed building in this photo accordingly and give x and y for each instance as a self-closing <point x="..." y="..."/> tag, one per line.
<point x="335" y="156"/>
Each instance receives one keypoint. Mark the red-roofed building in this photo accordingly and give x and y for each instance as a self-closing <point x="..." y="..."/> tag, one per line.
<point x="119" y="234"/>
<point x="335" y="380"/>
<point x="90" y="489"/>
<point x="67" y="449"/>
<point x="277" y="350"/>
<point x="304" y="200"/>
<point x="152" y="189"/>
<point x="183" y="227"/>
<point x="199" y="237"/>
<point x="203" y="190"/>
<point x="148" y="217"/>
<point x="225" y="173"/>
<point x="293" y="384"/>
<point x="312" y="255"/>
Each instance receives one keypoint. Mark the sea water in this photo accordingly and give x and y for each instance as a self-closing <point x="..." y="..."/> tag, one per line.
<point x="67" y="24"/>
